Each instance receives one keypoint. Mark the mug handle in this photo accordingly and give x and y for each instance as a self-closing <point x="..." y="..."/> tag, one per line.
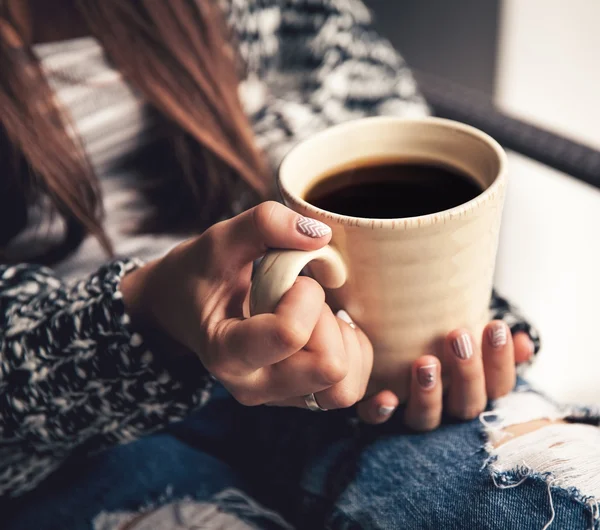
<point x="279" y="269"/>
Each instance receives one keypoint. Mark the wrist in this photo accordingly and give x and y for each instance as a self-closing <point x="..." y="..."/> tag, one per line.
<point x="140" y="303"/>
<point x="135" y="296"/>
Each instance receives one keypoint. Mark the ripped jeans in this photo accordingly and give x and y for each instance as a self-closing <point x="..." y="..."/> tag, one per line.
<point x="238" y="468"/>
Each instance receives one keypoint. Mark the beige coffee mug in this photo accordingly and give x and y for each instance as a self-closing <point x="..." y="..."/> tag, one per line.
<point x="406" y="282"/>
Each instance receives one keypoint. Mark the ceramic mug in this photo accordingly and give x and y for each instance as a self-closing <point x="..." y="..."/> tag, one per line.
<point x="406" y="282"/>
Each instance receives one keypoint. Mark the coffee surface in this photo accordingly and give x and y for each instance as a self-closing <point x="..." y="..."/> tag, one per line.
<point x="392" y="189"/>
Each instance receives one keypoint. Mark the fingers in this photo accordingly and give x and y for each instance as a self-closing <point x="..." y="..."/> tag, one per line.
<point x="365" y="347"/>
<point x="247" y="236"/>
<point x="467" y="392"/>
<point x="245" y="345"/>
<point x="351" y="388"/>
<point x="424" y="407"/>
<point x="378" y="408"/>
<point x="498" y="359"/>
<point x="331" y="358"/>
<point x="475" y="376"/>
<point x="323" y="363"/>
<point x="359" y="356"/>
<point x="523" y="347"/>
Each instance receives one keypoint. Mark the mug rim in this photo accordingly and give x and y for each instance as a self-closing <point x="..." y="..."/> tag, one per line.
<point x="401" y="223"/>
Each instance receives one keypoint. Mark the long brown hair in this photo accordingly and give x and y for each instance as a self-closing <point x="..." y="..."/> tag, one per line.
<point x="179" y="55"/>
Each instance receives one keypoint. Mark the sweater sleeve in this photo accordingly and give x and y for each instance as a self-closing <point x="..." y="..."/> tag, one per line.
<point x="502" y="309"/>
<point x="75" y="375"/>
<point x="315" y="63"/>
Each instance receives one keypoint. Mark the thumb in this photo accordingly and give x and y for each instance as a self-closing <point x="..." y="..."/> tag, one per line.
<point x="271" y="225"/>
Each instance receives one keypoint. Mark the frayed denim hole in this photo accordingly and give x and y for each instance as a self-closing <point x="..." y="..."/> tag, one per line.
<point x="230" y="507"/>
<point x="563" y="456"/>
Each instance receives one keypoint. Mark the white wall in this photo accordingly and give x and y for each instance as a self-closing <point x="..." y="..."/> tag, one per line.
<point x="549" y="64"/>
<point x="549" y="259"/>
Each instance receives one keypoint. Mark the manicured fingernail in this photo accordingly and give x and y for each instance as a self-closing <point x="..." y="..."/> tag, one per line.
<point x="385" y="410"/>
<point x="342" y="315"/>
<point x="426" y="375"/>
<point x="497" y="334"/>
<point x="311" y="227"/>
<point x="462" y="347"/>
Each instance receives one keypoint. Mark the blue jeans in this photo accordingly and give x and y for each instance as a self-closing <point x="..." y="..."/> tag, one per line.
<point x="268" y="467"/>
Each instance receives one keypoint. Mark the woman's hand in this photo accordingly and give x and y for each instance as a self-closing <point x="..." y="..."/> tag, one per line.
<point x="474" y="375"/>
<point x="196" y="295"/>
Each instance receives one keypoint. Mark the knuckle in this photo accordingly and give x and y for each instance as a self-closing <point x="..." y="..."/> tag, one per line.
<point x="290" y="334"/>
<point x="332" y="368"/>
<point x="343" y="397"/>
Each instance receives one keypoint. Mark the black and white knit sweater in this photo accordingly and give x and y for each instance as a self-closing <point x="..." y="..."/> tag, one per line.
<point x="74" y="374"/>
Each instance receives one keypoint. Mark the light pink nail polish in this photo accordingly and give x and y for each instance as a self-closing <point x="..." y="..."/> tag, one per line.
<point x="462" y="347"/>
<point x="311" y="227"/>
<point x="498" y="335"/>
<point x="385" y="410"/>
<point x="343" y="315"/>
<point x="426" y="375"/>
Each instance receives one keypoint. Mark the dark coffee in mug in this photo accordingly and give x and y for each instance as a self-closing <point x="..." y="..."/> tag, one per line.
<point x="391" y="189"/>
